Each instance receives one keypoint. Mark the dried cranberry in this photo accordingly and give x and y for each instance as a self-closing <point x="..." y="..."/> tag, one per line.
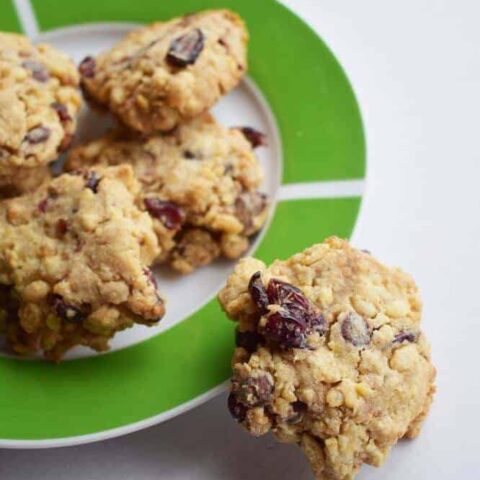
<point x="92" y="181"/>
<point x="67" y="312"/>
<point x="37" y="135"/>
<point x="185" y="49"/>
<point x="256" y="138"/>
<point x="189" y="155"/>
<point x="355" y="330"/>
<point x="287" y="329"/>
<point x="170" y="214"/>
<point x="258" y="293"/>
<point x="151" y="277"/>
<point x="39" y="72"/>
<point x="318" y="323"/>
<point x="87" y="67"/>
<point x="42" y="205"/>
<point x="62" y="112"/>
<point x="237" y="410"/>
<point x="248" y="340"/>
<point x="283" y="293"/>
<point x="404" y="337"/>
<point x="61" y="227"/>
<point x="255" y="391"/>
<point x="247" y="206"/>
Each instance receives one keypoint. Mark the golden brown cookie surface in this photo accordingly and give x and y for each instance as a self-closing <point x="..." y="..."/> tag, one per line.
<point x="329" y="355"/>
<point x="163" y="73"/>
<point x="74" y="259"/>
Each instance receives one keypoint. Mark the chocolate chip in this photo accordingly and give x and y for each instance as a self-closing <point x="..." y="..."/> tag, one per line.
<point x="62" y="112"/>
<point x="355" y="330"/>
<point x="37" y="135"/>
<point x="256" y="138"/>
<point x="184" y="50"/>
<point x="248" y="340"/>
<point x="92" y="181"/>
<point x="170" y="214"/>
<point x="258" y="293"/>
<point x="67" y="312"/>
<point x="87" y="67"/>
<point x="405" y="337"/>
<point x="39" y="72"/>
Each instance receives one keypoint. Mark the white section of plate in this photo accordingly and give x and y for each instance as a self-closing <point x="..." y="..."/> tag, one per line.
<point x="27" y="18"/>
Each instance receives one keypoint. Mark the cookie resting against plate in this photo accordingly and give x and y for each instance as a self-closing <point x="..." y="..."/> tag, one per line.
<point x="329" y="355"/>
<point x="199" y="183"/>
<point x="74" y="258"/>
<point x="39" y="101"/>
<point x="167" y="72"/>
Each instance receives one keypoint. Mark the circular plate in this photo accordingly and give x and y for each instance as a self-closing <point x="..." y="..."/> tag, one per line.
<point x="321" y="137"/>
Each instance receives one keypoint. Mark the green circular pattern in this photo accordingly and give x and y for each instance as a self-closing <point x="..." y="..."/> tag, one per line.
<point x="322" y="139"/>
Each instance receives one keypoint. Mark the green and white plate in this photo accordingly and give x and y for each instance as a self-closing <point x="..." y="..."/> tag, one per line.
<point x="314" y="164"/>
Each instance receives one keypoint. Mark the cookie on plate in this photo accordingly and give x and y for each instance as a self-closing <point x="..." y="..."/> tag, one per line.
<point x="199" y="183"/>
<point x="329" y="355"/>
<point x="74" y="259"/>
<point x="39" y="100"/>
<point x="163" y="73"/>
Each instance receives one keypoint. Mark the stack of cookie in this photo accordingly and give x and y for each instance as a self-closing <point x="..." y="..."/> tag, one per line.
<point x="168" y="185"/>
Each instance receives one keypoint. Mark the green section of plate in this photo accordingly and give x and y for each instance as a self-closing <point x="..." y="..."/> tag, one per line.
<point x="8" y="17"/>
<point x="311" y="98"/>
<point x="41" y="401"/>
<point x="298" y="224"/>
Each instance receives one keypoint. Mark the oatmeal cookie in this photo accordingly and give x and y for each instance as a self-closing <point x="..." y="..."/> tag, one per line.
<point x="22" y="180"/>
<point x="329" y="355"/>
<point x="74" y="259"/>
<point x="199" y="184"/>
<point x="161" y="74"/>
<point x="39" y="100"/>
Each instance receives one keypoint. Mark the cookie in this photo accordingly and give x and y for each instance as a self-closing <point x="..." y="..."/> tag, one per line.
<point x="22" y="180"/>
<point x="164" y="73"/>
<point x="329" y="355"/>
<point x="199" y="184"/>
<point x="74" y="258"/>
<point x="39" y="100"/>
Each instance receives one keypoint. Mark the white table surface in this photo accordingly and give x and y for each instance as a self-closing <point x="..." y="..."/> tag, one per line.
<point x="415" y="67"/>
